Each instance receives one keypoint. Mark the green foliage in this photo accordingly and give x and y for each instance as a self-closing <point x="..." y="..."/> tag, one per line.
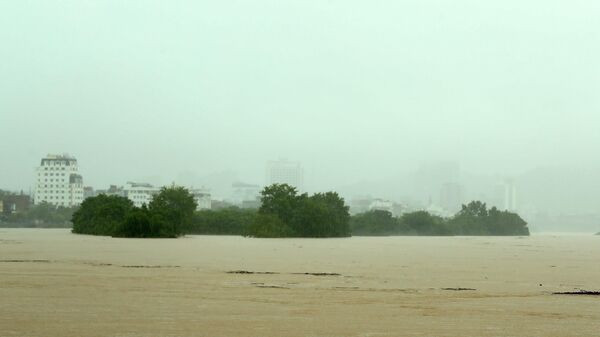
<point x="476" y="219"/>
<point x="374" y="223"/>
<point x="174" y="208"/>
<point x="101" y="215"/>
<point x="269" y="226"/>
<point x="281" y="200"/>
<point x="41" y="215"/>
<point x="169" y="214"/>
<point x="137" y="223"/>
<point x="284" y="213"/>
<point x="225" y="221"/>
<point x="423" y="223"/>
<point x="473" y="219"/>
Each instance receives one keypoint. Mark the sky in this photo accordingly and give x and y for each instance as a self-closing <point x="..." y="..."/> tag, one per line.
<point x="354" y="90"/>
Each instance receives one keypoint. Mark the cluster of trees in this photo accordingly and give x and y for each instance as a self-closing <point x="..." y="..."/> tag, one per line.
<point x="169" y="214"/>
<point x="224" y="221"/>
<point x="382" y="223"/>
<point x="473" y="219"/>
<point x="42" y="215"/>
<point x="285" y="213"/>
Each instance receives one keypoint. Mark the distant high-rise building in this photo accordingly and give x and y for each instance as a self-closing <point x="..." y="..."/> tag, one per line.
<point x="510" y="195"/>
<point x="285" y="172"/>
<point x="58" y="181"/>
<point x="435" y="179"/>
<point x="243" y="192"/>
<point x="505" y="195"/>
<point x="451" y="197"/>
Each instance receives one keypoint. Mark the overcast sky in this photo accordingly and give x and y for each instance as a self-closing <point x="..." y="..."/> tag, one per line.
<point x="354" y="90"/>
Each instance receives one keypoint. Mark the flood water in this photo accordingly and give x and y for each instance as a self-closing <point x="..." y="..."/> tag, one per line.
<point x="54" y="283"/>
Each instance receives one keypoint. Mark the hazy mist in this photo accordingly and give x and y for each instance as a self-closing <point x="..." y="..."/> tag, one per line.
<point x="362" y="93"/>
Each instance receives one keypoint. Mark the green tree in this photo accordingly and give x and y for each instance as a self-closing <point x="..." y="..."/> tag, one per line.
<point x="281" y="200"/>
<point x="475" y="219"/>
<point x="172" y="210"/>
<point x="269" y="226"/>
<point x="225" y="221"/>
<point x="423" y="223"/>
<point x="101" y="215"/>
<point x="285" y="213"/>
<point x="335" y="221"/>
<point x="374" y="223"/>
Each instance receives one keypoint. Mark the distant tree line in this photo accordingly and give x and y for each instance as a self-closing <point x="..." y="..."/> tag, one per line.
<point x="283" y="213"/>
<point x="473" y="219"/>
<point x="224" y="221"/>
<point x="43" y="215"/>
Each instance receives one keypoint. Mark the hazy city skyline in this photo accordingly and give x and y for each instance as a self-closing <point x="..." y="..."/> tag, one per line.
<point x="355" y="91"/>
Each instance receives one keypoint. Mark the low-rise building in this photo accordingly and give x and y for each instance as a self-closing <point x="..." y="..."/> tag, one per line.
<point x="139" y="193"/>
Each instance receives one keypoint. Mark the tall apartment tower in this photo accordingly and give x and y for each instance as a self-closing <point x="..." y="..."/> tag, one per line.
<point x="451" y="197"/>
<point x="58" y="181"/>
<point x="510" y="195"/>
<point x="285" y="172"/>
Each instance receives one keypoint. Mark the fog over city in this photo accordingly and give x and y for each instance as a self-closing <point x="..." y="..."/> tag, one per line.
<point x="380" y="98"/>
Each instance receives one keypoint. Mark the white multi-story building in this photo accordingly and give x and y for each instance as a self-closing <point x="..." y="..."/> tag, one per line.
<point x="58" y="181"/>
<point x="142" y="193"/>
<point x="139" y="193"/>
<point x="285" y="172"/>
<point x="202" y="197"/>
<point x="244" y="192"/>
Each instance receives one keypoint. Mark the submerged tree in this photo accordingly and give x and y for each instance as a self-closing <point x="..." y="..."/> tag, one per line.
<point x="374" y="223"/>
<point x="475" y="219"/>
<point x="169" y="214"/>
<point x="101" y="215"/>
<point x="285" y="213"/>
<point x="173" y="210"/>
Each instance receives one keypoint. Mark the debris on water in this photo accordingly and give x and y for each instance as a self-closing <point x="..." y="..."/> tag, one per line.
<point x="271" y="286"/>
<point x="25" y="261"/>
<point x="579" y="292"/>
<point x="250" y="272"/>
<point x="460" y="289"/>
<point x="319" y="274"/>
<point x="148" y="266"/>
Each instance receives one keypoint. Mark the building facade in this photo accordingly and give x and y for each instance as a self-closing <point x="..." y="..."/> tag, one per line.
<point x="242" y="192"/>
<point x="202" y="197"/>
<point x="139" y="193"/>
<point x="451" y="197"/>
<point x="285" y="172"/>
<point x="58" y="181"/>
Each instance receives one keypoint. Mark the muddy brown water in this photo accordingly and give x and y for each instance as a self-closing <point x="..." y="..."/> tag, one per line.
<point x="54" y="283"/>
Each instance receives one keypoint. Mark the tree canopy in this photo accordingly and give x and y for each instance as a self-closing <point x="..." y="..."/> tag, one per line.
<point x="40" y="215"/>
<point x="169" y="214"/>
<point x="285" y="213"/>
<point x="101" y="215"/>
<point x="473" y="219"/>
